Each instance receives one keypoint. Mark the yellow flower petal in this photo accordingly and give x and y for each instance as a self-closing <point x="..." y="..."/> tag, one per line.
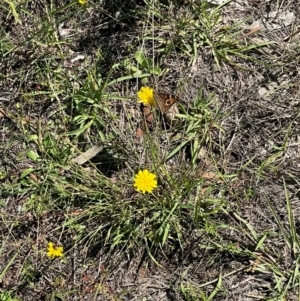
<point x="145" y="96"/>
<point x="54" y="251"/>
<point x="82" y="2"/>
<point x="145" y="181"/>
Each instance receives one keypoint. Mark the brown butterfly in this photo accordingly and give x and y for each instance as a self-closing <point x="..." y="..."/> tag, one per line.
<point x="164" y="100"/>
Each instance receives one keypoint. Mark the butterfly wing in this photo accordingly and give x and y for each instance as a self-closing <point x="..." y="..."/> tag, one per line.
<point x="164" y="100"/>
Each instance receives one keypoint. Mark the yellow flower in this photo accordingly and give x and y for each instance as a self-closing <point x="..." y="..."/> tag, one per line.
<point x="145" y="96"/>
<point x="54" y="251"/>
<point x="82" y="2"/>
<point x="145" y="181"/>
